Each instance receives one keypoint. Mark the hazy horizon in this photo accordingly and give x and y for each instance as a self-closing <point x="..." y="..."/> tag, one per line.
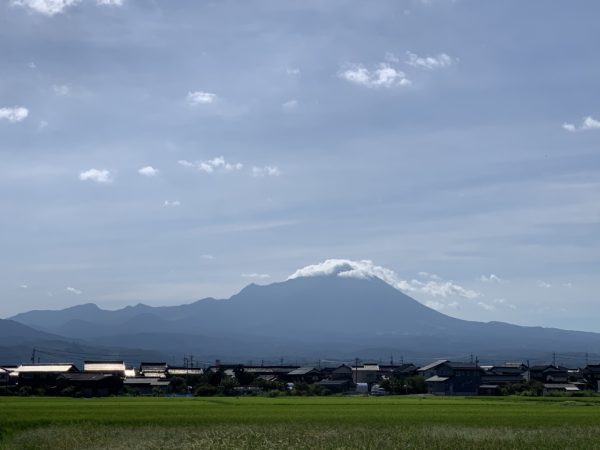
<point x="162" y="152"/>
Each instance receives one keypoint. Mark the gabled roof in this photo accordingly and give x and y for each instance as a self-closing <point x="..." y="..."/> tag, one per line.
<point x="303" y="371"/>
<point x="433" y="365"/>
<point x="506" y="370"/>
<point x="104" y="366"/>
<point x="436" y="379"/>
<point x="341" y="369"/>
<point x="46" y="368"/>
<point x="592" y="368"/>
<point x="79" y="376"/>
<point x="463" y="366"/>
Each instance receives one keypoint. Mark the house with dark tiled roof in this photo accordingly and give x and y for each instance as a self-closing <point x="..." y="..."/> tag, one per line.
<point x="444" y="377"/>
<point x="591" y="375"/>
<point x="42" y="375"/>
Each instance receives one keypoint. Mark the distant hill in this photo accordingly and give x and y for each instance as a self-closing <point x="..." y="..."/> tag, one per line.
<point x="308" y="317"/>
<point x="12" y="331"/>
<point x="17" y="342"/>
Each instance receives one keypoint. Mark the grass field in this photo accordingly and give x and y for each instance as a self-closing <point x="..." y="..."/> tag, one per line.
<point x="299" y="422"/>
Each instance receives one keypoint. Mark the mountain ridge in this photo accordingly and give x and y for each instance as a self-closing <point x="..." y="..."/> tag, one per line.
<point x="304" y="316"/>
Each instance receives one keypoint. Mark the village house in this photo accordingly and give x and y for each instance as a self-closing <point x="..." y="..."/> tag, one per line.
<point x="4" y="377"/>
<point x="42" y="375"/>
<point x="591" y="374"/>
<point x="367" y="373"/>
<point x="548" y="374"/>
<point x="147" y="385"/>
<point x="444" y="377"/>
<point x="270" y="373"/>
<point x="154" y="370"/>
<point x="91" y="384"/>
<point x="307" y="375"/>
<point x="338" y="380"/>
<point x="116" y="368"/>
<point x="503" y="375"/>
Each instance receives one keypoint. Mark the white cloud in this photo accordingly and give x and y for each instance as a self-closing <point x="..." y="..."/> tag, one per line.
<point x="260" y="276"/>
<point x="383" y="76"/>
<point x="168" y="203"/>
<point x="289" y="105"/>
<point x="46" y="7"/>
<point x="102" y="176"/>
<point x="23" y="286"/>
<point x="486" y="306"/>
<point x="217" y="164"/>
<point x="503" y="302"/>
<point x="201" y="98"/>
<point x="207" y="256"/>
<point x="544" y="285"/>
<point x="433" y="276"/>
<point x="491" y="278"/>
<point x="73" y="290"/>
<point x="61" y="89"/>
<point x="14" y="114"/>
<point x="292" y="71"/>
<point x="588" y="123"/>
<point x="270" y="171"/>
<point x="438" y="61"/>
<point x="365" y="269"/>
<point x="148" y="171"/>
<point x="110" y="2"/>
<point x="391" y="58"/>
<point x="441" y="289"/>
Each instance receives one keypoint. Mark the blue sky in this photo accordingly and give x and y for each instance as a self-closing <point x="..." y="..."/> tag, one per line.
<point x="164" y="151"/>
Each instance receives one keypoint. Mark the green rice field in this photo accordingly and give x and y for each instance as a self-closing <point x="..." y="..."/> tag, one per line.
<point x="300" y="422"/>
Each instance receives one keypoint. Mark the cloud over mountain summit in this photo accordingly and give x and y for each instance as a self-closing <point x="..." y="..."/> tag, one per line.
<point x="366" y="269"/>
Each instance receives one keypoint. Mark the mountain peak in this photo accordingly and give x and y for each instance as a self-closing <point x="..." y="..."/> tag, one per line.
<point x="346" y="268"/>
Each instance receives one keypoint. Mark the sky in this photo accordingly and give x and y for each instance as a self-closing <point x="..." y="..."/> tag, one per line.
<point x="162" y="151"/>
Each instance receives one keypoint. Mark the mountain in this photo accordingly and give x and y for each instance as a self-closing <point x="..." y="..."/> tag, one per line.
<point x="308" y="317"/>
<point x="18" y="341"/>
<point x="12" y="331"/>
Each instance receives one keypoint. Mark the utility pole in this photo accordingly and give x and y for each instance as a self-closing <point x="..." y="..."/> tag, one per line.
<point x="391" y="360"/>
<point x="33" y="356"/>
<point x="355" y="370"/>
<point x="471" y="358"/>
<point x="191" y="361"/>
<point x="554" y="359"/>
